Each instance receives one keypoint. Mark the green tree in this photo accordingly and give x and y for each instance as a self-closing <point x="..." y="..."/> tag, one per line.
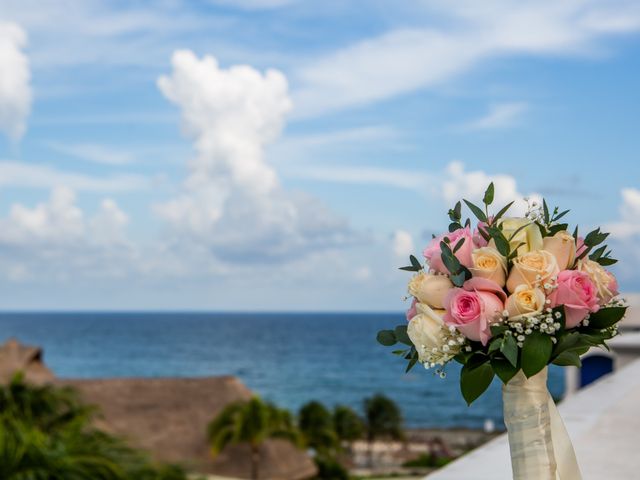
<point x="316" y="425"/>
<point x="251" y="422"/>
<point x="383" y="420"/>
<point x="46" y="434"/>
<point x="347" y="424"/>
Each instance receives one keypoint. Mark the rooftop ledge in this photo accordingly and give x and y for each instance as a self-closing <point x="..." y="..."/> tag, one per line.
<point x="602" y="420"/>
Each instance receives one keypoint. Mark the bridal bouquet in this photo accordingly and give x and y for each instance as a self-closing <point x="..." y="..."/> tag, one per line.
<point x="505" y="298"/>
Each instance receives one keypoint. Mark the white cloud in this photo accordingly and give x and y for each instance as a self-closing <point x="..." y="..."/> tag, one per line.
<point x="19" y="174"/>
<point x="15" y="77"/>
<point x="56" y="239"/>
<point x="403" y="60"/>
<point x="629" y="224"/>
<point x="503" y="115"/>
<point x="402" y="244"/>
<point x="232" y="200"/>
<point x="94" y="153"/>
<point x="459" y="183"/>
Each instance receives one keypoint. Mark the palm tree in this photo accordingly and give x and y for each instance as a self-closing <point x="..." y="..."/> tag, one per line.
<point x="250" y="422"/>
<point x="347" y="424"/>
<point x="383" y="419"/>
<point x="316" y="425"/>
<point x="46" y="434"/>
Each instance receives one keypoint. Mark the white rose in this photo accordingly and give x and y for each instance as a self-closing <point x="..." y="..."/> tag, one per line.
<point x="430" y="289"/>
<point x="532" y="269"/>
<point x="562" y="246"/>
<point x="604" y="281"/>
<point x="426" y="331"/>
<point x="529" y="235"/>
<point x="489" y="264"/>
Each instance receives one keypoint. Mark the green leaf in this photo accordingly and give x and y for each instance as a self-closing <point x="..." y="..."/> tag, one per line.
<point x="502" y="245"/>
<point x="504" y="369"/>
<point x="596" y="254"/>
<point x="509" y="349"/>
<point x="488" y="195"/>
<point x="606" y="261"/>
<point x="459" y="245"/>
<point x="498" y="329"/>
<point x="606" y="317"/>
<point x="401" y="335"/>
<point x="502" y="211"/>
<point x="412" y="361"/>
<point x="536" y="352"/>
<point x="568" y="358"/>
<point x="545" y="211"/>
<point x="414" y="261"/>
<point x="477" y="211"/>
<point x="458" y="279"/>
<point x="560" y="215"/>
<point x="495" y="344"/>
<point x="410" y="268"/>
<point x="386" y="338"/>
<point x="453" y="226"/>
<point x="473" y="382"/>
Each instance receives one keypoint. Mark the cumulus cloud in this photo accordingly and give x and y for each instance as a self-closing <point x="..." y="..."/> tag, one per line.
<point x="56" y="239"/>
<point x="458" y="183"/>
<point x="402" y="244"/>
<point x="232" y="199"/>
<point x="629" y="224"/>
<point x="15" y="77"/>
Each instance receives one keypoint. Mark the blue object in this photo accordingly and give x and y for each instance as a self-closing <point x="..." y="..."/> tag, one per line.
<point x="594" y="367"/>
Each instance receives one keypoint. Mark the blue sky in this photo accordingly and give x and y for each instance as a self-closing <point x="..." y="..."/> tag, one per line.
<point x="288" y="154"/>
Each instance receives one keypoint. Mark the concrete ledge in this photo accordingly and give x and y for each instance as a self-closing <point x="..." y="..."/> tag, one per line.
<point x="603" y="422"/>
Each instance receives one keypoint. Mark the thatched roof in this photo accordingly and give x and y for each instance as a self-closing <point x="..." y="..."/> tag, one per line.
<point x="168" y="418"/>
<point x="15" y="357"/>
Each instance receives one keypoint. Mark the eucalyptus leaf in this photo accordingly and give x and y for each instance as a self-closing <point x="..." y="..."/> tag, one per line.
<point x="488" y="195"/>
<point x="502" y="211"/>
<point x="387" y="338"/>
<point x="401" y="335"/>
<point x="477" y="211"/>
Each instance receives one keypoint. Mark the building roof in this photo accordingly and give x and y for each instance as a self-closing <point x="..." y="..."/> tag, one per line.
<point x="15" y="357"/>
<point x="603" y="424"/>
<point x="167" y="417"/>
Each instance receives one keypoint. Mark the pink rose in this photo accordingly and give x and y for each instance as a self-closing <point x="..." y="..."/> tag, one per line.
<point x="433" y="253"/>
<point x="577" y="293"/>
<point x="474" y="307"/>
<point x="478" y="239"/>
<point x="413" y="311"/>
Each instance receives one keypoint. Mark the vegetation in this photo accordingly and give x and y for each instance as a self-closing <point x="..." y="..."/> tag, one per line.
<point x="347" y="424"/>
<point x="330" y="469"/>
<point x="427" y="460"/>
<point x="46" y="433"/>
<point x="316" y="426"/>
<point x="251" y="422"/>
<point x="383" y="418"/>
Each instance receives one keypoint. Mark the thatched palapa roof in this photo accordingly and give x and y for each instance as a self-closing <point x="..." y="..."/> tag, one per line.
<point x="168" y="417"/>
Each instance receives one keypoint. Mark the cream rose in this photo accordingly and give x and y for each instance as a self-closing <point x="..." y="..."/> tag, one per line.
<point x="430" y="289"/>
<point x="426" y="331"/>
<point x="532" y="269"/>
<point x="529" y="236"/>
<point x="604" y="281"/>
<point x="562" y="246"/>
<point x="489" y="264"/>
<point x="525" y="301"/>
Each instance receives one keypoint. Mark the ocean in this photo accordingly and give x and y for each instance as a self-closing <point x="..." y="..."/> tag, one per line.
<point x="288" y="358"/>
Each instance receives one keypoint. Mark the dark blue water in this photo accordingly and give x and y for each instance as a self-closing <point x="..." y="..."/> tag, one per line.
<point x="287" y="358"/>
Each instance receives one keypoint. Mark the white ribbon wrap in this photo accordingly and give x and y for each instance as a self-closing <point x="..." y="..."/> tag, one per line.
<point x="540" y="446"/>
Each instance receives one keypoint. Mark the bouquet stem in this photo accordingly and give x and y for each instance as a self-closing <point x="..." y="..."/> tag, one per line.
<point x="540" y="446"/>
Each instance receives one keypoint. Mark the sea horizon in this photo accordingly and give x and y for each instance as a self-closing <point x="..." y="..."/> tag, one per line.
<point x="286" y="357"/>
